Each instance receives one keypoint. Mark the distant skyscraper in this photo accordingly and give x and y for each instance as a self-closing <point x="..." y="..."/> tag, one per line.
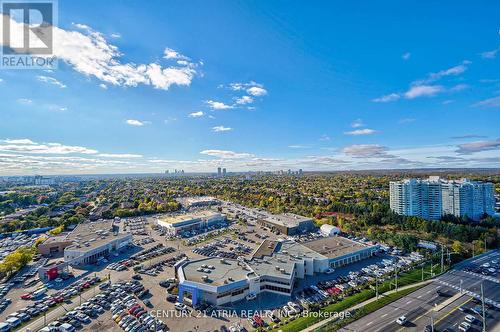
<point x="223" y="172"/>
<point x="219" y="171"/>
<point x="432" y="198"/>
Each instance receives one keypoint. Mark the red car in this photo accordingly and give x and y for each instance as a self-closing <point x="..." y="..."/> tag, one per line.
<point x="26" y="296"/>
<point x="133" y="309"/>
<point x="59" y="299"/>
<point x="86" y="285"/>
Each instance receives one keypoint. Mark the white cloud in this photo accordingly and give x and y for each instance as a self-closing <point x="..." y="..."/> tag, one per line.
<point x="28" y="146"/>
<point x="423" y="91"/>
<point x="115" y="35"/>
<point x="170" y="53"/>
<point x="119" y="155"/>
<point x="219" y="129"/>
<point x="196" y="114"/>
<point x="134" y="122"/>
<point x="25" y="101"/>
<point x="217" y="105"/>
<point x="244" y="100"/>
<point x="387" y="98"/>
<point x="324" y="138"/>
<point x="490" y="54"/>
<point x="50" y="80"/>
<point x="425" y="88"/>
<point x="257" y="91"/>
<point x="89" y="53"/>
<point x="478" y="146"/>
<point x="366" y="151"/>
<point x="406" y="56"/>
<point x="103" y="86"/>
<point x="224" y="154"/>
<point x="490" y="102"/>
<point x="359" y="132"/>
<point x="18" y="141"/>
<point x="357" y="123"/>
<point x="297" y="146"/>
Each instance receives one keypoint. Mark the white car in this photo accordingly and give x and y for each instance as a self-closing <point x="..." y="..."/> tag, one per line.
<point x="180" y="306"/>
<point x="330" y="271"/>
<point x="401" y="320"/>
<point x="470" y="319"/>
<point x="464" y="327"/>
<point x="251" y="297"/>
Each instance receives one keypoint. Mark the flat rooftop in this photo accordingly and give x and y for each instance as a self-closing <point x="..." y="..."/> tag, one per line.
<point x="286" y="219"/>
<point x="333" y="246"/>
<point x="90" y="235"/>
<point x="181" y="218"/>
<point x="230" y="271"/>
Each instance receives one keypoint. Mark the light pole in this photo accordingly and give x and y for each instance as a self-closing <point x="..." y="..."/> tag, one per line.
<point x="484" y="313"/>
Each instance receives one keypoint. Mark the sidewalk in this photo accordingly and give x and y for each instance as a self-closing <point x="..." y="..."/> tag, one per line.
<point x="359" y="305"/>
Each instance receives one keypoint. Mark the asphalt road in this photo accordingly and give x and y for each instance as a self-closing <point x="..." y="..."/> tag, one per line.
<point x="419" y="306"/>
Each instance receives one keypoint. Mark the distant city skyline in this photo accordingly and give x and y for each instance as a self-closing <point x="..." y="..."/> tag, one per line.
<point x="260" y="86"/>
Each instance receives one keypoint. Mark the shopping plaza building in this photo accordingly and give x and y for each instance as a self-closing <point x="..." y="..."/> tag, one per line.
<point x="274" y="267"/>
<point x="178" y="224"/>
<point x="87" y="243"/>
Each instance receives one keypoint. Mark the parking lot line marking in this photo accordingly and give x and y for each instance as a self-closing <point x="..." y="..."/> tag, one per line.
<point x="419" y="296"/>
<point x="369" y="323"/>
<point x="409" y="302"/>
<point x="383" y="315"/>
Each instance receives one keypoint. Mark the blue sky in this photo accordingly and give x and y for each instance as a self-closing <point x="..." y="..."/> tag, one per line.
<point x="260" y="85"/>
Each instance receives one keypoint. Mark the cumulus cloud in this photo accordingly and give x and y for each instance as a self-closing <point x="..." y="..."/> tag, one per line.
<point x="224" y="154"/>
<point x="253" y="88"/>
<point x="137" y="123"/>
<point x="478" y="146"/>
<point x="406" y="56"/>
<point x="219" y="129"/>
<point x="244" y="100"/>
<point x="50" y="80"/>
<point x="170" y="53"/>
<point x="88" y="52"/>
<point x="257" y="91"/>
<point x="217" y="105"/>
<point x="359" y="132"/>
<point x="196" y="114"/>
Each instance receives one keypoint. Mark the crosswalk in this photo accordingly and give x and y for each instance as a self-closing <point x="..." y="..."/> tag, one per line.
<point x="470" y="293"/>
<point x="490" y="278"/>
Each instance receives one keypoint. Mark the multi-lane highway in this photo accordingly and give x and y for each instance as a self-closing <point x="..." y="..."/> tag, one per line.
<point x="444" y="303"/>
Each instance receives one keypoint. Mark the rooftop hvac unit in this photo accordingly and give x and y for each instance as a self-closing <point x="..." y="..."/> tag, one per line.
<point x="223" y="261"/>
<point x="230" y="279"/>
<point x="277" y="267"/>
<point x="204" y="278"/>
<point x="282" y="270"/>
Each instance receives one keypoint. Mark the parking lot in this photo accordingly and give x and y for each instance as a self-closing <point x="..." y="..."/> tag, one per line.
<point x="149" y="261"/>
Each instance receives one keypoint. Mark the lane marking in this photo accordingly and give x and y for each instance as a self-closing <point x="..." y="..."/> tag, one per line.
<point x="370" y="323"/>
<point x="383" y="315"/>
